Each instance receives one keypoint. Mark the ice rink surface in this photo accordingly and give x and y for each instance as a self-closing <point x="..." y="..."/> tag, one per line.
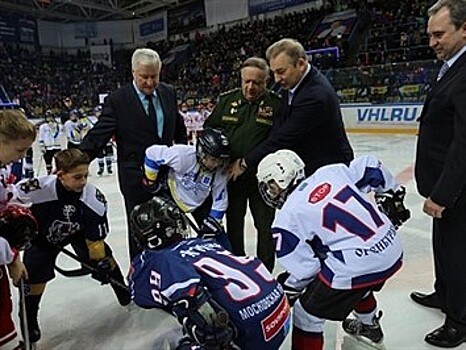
<point x="79" y="314"/>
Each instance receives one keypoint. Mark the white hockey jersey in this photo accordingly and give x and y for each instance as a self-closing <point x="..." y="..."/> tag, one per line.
<point x="189" y="184"/>
<point x="328" y="229"/>
<point x="49" y="136"/>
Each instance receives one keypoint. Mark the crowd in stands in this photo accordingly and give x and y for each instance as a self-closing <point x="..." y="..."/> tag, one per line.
<point x="381" y="69"/>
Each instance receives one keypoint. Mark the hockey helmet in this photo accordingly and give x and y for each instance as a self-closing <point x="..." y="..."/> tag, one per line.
<point x="278" y="174"/>
<point x="213" y="149"/>
<point x="158" y="223"/>
<point x="18" y="226"/>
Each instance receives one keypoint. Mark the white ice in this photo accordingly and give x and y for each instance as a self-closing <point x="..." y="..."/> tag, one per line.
<point x="79" y="314"/>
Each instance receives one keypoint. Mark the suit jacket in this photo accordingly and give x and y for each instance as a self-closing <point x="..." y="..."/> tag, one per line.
<point x="123" y="115"/>
<point x="312" y="126"/>
<point x="440" y="168"/>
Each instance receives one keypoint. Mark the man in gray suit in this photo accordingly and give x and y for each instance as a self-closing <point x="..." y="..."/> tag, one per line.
<point x="139" y="114"/>
<point x="441" y="168"/>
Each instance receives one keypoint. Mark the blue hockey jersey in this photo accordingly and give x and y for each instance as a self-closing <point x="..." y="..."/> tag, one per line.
<point x="241" y="285"/>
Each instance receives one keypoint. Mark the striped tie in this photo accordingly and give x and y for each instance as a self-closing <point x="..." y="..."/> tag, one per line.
<point x="442" y="71"/>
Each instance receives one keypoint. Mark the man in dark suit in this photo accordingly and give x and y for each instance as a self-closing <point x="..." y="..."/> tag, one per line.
<point x="441" y="171"/>
<point x="139" y="114"/>
<point x="309" y="122"/>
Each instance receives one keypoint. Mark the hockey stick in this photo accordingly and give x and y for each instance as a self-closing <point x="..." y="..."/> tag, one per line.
<point x="73" y="273"/>
<point x="22" y="295"/>
<point x="93" y="269"/>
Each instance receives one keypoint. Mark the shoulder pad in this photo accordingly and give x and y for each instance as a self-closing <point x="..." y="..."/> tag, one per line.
<point x="229" y="92"/>
<point x="94" y="199"/>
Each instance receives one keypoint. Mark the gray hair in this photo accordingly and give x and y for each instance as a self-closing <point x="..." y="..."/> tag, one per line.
<point x="293" y="49"/>
<point x="145" y="56"/>
<point x="457" y="10"/>
<point x="256" y="62"/>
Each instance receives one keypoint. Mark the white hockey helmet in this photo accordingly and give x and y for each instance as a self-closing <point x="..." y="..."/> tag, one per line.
<point x="277" y="174"/>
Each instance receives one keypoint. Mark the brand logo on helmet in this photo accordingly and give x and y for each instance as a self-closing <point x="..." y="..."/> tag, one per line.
<point x="319" y="193"/>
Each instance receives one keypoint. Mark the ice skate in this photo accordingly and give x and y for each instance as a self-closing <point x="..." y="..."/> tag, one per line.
<point x="369" y="334"/>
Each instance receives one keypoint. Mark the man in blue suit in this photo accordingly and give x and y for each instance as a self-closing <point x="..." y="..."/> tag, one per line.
<point x="139" y="114"/>
<point x="440" y="171"/>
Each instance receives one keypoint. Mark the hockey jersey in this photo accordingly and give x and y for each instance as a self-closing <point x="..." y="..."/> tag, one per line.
<point x="241" y="285"/>
<point x="64" y="214"/>
<point x="189" y="184"/>
<point x="49" y="136"/>
<point x="328" y="228"/>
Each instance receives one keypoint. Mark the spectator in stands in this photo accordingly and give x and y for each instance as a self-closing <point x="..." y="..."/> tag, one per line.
<point x="247" y="115"/>
<point x="309" y="122"/>
<point x="139" y="114"/>
<point x="440" y="169"/>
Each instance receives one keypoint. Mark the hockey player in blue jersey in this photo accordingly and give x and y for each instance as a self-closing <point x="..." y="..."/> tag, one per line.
<point x="68" y="211"/>
<point x="336" y="247"/>
<point x="222" y="301"/>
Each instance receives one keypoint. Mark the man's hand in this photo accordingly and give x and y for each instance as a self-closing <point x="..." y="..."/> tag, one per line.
<point x="17" y="270"/>
<point x="237" y="168"/>
<point x="433" y="209"/>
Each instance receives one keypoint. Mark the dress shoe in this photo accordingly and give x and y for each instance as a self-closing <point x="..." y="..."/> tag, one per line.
<point x="427" y="300"/>
<point x="446" y="337"/>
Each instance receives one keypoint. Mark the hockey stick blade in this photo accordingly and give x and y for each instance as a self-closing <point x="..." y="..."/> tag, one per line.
<point x="73" y="273"/>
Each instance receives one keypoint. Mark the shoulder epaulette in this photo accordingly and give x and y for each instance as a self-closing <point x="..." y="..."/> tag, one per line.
<point x="229" y="92"/>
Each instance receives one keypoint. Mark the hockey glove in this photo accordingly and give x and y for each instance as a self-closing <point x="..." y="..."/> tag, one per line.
<point x="291" y="293"/>
<point x="152" y="186"/>
<point x="103" y="270"/>
<point x="204" y="320"/>
<point x="391" y="204"/>
<point x="210" y="228"/>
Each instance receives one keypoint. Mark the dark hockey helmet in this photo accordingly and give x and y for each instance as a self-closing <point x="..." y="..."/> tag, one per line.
<point x="18" y="226"/>
<point x="158" y="223"/>
<point x="213" y="149"/>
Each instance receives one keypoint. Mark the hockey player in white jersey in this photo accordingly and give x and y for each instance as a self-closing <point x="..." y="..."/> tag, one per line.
<point x="336" y="247"/>
<point x="194" y="172"/>
<point x="49" y="139"/>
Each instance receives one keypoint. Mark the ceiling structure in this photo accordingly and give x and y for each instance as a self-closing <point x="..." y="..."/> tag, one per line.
<point x="87" y="10"/>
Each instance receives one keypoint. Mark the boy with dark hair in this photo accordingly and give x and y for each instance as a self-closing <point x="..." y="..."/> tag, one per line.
<point x="68" y="211"/>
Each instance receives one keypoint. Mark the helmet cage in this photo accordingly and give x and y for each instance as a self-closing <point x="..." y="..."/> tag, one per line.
<point x="283" y="170"/>
<point x="215" y="144"/>
<point x="158" y="223"/>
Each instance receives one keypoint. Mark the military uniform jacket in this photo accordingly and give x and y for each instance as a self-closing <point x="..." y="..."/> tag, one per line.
<point x="245" y="123"/>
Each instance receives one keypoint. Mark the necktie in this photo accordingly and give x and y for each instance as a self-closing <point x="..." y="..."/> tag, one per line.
<point x="151" y="112"/>
<point x="442" y="71"/>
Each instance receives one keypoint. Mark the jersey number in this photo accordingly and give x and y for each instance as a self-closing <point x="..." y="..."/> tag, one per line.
<point x="238" y="285"/>
<point x="334" y="215"/>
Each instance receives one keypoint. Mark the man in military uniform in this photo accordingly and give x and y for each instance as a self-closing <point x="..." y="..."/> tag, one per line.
<point x="246" y="115"/>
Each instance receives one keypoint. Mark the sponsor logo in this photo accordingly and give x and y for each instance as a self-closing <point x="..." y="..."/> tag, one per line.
<point x="274" y="322"/>
<point x="319" y="193"/>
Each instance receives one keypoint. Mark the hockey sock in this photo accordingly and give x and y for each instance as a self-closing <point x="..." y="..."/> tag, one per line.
<point x="365" y="310"/>
<point x="302" y="340"/>
<point x="32" y="301"/>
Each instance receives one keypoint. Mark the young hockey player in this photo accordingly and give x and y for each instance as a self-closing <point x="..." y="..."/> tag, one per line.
<point x="106" y="157"/>
<point x="49" y="139"/>
<point x="74" y="129"/>
<point x="221" y="300"/>
<point x="68" y="211"/>
<point x="337" y="249"/>
<point x="16" y="137"/>
<point x="194" y="172"/>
